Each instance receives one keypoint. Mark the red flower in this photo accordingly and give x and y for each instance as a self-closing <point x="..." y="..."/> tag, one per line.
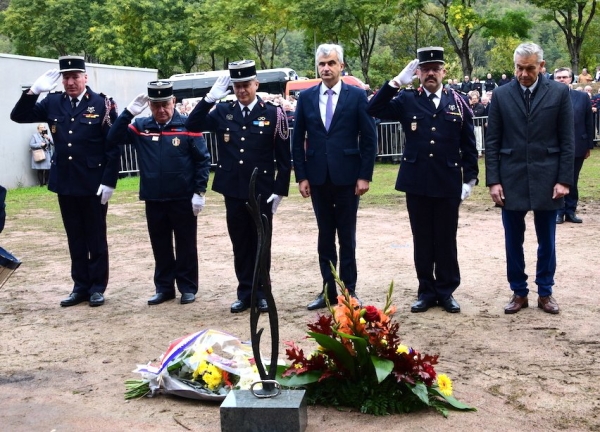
<point x="371" y="314"/>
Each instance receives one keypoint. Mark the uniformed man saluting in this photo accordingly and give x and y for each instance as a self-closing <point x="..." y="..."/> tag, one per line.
<point x="84" y="168"/>
<point x="250" y="134"/>
<point x="438" y="170"/>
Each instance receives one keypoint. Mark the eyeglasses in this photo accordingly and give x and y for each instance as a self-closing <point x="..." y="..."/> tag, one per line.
<point x="435" y="69"/>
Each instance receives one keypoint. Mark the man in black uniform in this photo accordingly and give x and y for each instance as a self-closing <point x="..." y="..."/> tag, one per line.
<point x="174" y="165"/>
<point x="250" y="134"/>
<point x="438" y="170"/>
<point x="84" y="168"/>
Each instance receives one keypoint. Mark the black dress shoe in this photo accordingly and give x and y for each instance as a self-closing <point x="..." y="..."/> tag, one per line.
<point x="421" y="306"/>
<point x="188" y="298"/>
<point x="238" y="306"/>
<point x="572" y="218"/>
<point x="263" y="306"/>
<point x="159" y="298"/>
<point x="450" y="305"/>
<point x="96" y="299"/>
<point x="560" y="219"/>
<point x="319" y="302"/>
<point x="74" y="299"/>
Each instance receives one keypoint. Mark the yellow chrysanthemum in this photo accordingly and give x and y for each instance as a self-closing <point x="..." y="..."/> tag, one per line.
<point x="200" y="369"/>
<point x="445" y="384"/>
<point x="212" y="377"/>
<point x="402" y="349"/>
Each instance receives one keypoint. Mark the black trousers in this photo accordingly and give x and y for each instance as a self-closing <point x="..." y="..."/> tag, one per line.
<point x="244" y="239"/>
<point x="335" y="208"/>
<point x="84" y="219"/>
<point x="572" y="198"/>
<point x="434" y="222"/>
<point x="170" y="221"/>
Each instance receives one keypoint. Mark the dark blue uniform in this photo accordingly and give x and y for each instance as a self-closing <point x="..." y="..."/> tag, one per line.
<point x="82" y="161"/>
<point x="260" y="140"/>
<point x="440" y="155"/>
<point x="174" y="164"/>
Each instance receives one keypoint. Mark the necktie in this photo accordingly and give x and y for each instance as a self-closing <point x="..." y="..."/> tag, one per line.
<point x="527" y="99"/>
<point x="329" y="108"/>
<point x="74" y="103"/>
<point x="246" y="111"/>
<point x="432" y="96"/>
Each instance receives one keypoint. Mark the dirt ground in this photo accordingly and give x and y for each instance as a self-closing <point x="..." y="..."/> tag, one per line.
<point x="62" y="369"/>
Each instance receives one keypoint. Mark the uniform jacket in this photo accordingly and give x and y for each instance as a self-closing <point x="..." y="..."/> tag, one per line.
<point x="583" y="122"/>
<point x="174" y="163"/>
<point x="346" y="152"/>
<point x="259" y="140"/>
<point x="440" y="152"/>
<point x="82" y="158"/>
<point x="529" y="154"/>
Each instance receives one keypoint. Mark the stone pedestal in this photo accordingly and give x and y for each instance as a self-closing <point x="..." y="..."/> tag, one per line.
<point x="241" y="411"/>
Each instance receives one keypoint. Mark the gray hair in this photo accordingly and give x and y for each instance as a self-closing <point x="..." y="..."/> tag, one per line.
<point x="528" y="49"/>
<point x="325" y="50"/>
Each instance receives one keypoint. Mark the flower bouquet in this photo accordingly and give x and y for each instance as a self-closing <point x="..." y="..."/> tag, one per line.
<point x="360" y="363"/>
<point x="203" y="365"/>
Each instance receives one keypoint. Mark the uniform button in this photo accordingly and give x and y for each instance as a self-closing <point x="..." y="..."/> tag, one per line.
<point x="244" y="127"/>
<point x="455" y="164"/>
<point x="241" y="162"/>
<point x="261" y="132"/>
<point x="89" y="122"/>
<point x="220" y="166"/>
<point x="72" y="119"/>
<point x="227" y="129"/>
<point x="70" y="132"/>
<point x="243" y="139"/>
<point x="70" y="157"/>
<point x="241" y="150"/>
<point x="265" y="171"/>
<point x="430" y="154"/>
<point x="432" y="142"/>
<point x="435" y="115"/>
<point x="454" y="120"/>
<point x="433" y="129"/>
<point x="69" y="145"/>
<point x="404" y="158"/>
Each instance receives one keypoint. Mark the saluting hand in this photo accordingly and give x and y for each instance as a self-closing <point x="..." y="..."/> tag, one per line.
<point x="407" y="75"/>
<point x="46" y="82"/>
<point x="138" y="105"/>
<point x="219" y="89"/>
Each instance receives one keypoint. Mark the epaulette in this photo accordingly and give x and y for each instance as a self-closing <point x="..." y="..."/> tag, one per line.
<point x="55" y="92"/>
<point x="106" y="96"/>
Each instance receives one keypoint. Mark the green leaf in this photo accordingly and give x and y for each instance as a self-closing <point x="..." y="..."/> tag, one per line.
<point x="452" y="401"/>
<point x="360" y="345"/>
<point x="420" y="390"/>
<point x="383" y="367"/>
<point x="301" y="380"/>
<point x="339" y="350"/>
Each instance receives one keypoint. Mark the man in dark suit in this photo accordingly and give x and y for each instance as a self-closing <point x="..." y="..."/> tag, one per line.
<point x="84" y="168"/>
<point x="583" y="124"/>
<point x="466" y="85"/>
<point x="438" y="169"/>
<point x="250" y="134"/>
<point x="334" y="147"/>
<point x="529" y="166"/>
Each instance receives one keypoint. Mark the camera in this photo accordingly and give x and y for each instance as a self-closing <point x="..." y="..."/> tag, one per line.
<point x="44" y="132"/>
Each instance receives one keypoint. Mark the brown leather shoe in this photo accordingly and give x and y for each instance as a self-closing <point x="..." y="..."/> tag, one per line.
<point x="515" y="304"/>
<point x="548" y="304"/>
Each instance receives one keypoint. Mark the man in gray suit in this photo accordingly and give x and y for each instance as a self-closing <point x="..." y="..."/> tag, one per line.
<point x="529" y="166"/>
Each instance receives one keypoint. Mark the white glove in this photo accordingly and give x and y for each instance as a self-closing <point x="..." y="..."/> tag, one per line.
<point x="138" y="105"/>
<point x="466" y="192"/>
<point x="407" y="75"/>
<point x="219" y="89"/>
<point x="276" y="200"/>
<point x="46" y="82"/>
<point x="198" y="203"/>
<point x="106" y="192"/>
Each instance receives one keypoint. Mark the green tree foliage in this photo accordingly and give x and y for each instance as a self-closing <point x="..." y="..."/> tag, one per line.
<point x="461" y="22"/>
<point x="352" y="23"/>
<point x="47" y="28"/>
<point x="573" y="17"/>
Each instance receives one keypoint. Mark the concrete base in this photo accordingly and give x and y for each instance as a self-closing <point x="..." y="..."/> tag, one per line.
<point x="241" y="411"/>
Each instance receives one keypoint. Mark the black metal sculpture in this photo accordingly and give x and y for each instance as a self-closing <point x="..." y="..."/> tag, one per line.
<point x="261" y="276"/>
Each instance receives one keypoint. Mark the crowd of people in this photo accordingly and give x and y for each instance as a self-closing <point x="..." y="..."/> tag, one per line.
<point x="334" y="147"/>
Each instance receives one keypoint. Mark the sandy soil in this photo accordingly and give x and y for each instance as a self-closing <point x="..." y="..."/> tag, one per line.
<point x="63" y="369"/>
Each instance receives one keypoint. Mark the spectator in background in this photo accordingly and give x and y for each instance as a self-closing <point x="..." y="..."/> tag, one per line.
<point x="477" y="86"/>
<point x="466" y="85"/>
<point x="478" y="111"/>
<point x="597" y="77"/>
<point x="489" y="84"/>
<point x="589" y="90"/>
<point x="585" y="77"/>
<point x="503" y="80"/>
<point x="41" y="140"/>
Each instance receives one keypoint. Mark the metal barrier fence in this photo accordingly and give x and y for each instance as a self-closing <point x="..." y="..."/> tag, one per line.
<point x="390" y="143"/>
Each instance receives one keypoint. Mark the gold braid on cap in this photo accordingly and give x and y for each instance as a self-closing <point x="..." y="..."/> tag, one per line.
<point x="282" y="128"/>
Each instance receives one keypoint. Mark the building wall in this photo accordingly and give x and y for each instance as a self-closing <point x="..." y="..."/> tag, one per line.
<point x="18" y="72"/>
